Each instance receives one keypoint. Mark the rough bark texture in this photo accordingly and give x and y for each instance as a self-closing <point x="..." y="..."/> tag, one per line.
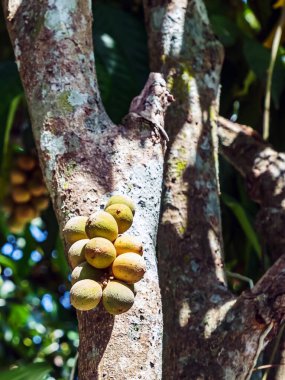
<point x="195" y="296"/>
<point x="207" y="335"/>
<point x="264" y="172"/>
<point x="85" y="158"/>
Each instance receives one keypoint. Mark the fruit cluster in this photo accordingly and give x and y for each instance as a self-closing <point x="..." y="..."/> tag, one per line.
<point x="105" y="261"/>
<point x="27" y="194"/>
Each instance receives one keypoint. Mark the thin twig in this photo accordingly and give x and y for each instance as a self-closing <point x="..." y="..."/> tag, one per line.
<point x="267" y="366"/>
<point x="241" y="277"/>
<point x="274" y="51"/>
<point x="72" y="373"/>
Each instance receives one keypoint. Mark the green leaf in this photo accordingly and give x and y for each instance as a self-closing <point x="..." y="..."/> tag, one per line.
<point x="225" y="29"/>
<point x="121" y="57"/>
<point x="35" y="371"/>
<point x="5" y="163"/>
<point x="258" y="58"/>
<point x="243" y="220"/>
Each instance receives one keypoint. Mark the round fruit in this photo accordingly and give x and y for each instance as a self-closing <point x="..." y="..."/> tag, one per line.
<point x="85" y="294"/>
<point x="118" y="297"/>
<point x="25" y="212"/>
<point x="75" y="229"/>
<point x="127" y="243"/>
<point x="17" y="177"/>
<point x="36" y="188"/>
<point x="20" y="194"/>
<point x="41" y="203"/>
<point x="85" y="271"/>
<point x="121" y="199"/>
<point x="76" y="253"/>
<point x="123" y="216"/>
<point x="129" y="267"/>
<point x="15" y="226"/>
<point x="26" y="162"/>
<point x="100" y="252"/>
<point x="102" y="224"/>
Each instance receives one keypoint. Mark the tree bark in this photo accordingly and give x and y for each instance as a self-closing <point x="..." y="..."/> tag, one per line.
<point x="219" y="337"/>
<point x="86" y="158"/>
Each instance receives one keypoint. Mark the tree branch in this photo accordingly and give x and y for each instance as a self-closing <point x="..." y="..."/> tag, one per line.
<point x="264" y="171"/>
<point x="86" y="158"/>
<point x="250" y="324"/>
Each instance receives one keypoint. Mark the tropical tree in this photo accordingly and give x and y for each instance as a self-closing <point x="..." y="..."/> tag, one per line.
<point x="186" y="323"/>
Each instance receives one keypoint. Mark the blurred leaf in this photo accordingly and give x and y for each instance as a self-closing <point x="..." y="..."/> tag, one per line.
<point x="121" y="57"/>
<point x="19" y="315"/>
<point x="243" y="220"/>
<point x="251" y="19"/>
<point x="225" y="29"/>
<point x="6" y="143"/>
<point x="7" y="262"/>
<point x="10" y="87"/>
<point x="35" y="371"/>
<point x="258" y="58"/>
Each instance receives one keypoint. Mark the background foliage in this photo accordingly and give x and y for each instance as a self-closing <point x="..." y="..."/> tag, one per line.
<point x="38" y="332"/>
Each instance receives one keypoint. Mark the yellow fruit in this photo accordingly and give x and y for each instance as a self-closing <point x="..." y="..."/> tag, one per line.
<point x="102" y="224"/>
<point x="20" y="194"/>
<point x="37" y="188"/>
<point x="129" y="267"/>
<point x="85" y="294"/>
<point x="15" y="226"/>
<point x="100" y="252"/>
<point x="26" y="162"/>
<point x="74" y="229"/>
<point x="121" y="199"/>
<point x="24" y="212"/>
<point x="118" y="297"/>
<point x="127" y="243"/>
<point x="17" y="177"/>
<point x="41" y="203"/>
<point x="123" y="216"/>
<point x="85" y="271"/>
<point x="76" y="253"/>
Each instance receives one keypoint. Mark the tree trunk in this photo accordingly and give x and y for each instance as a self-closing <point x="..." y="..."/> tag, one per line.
<point x="208" y="334"/>
<point x="85" y="158"/>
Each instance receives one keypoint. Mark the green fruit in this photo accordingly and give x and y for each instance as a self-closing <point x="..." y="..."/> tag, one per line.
<point x="121" y="199"/>
<point x="74" y="229"/>
<point x="85" y="294"/>
<point x="100" y="252"/>
<point x="123" y="216"/>
<point x="118" y="297"/>
<point x="102" y="224"/>
<point x="84" y="271"/>
<point x="129" y="267"/>
<point x="76" y="253"/>
<point x="127" y="243"/>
